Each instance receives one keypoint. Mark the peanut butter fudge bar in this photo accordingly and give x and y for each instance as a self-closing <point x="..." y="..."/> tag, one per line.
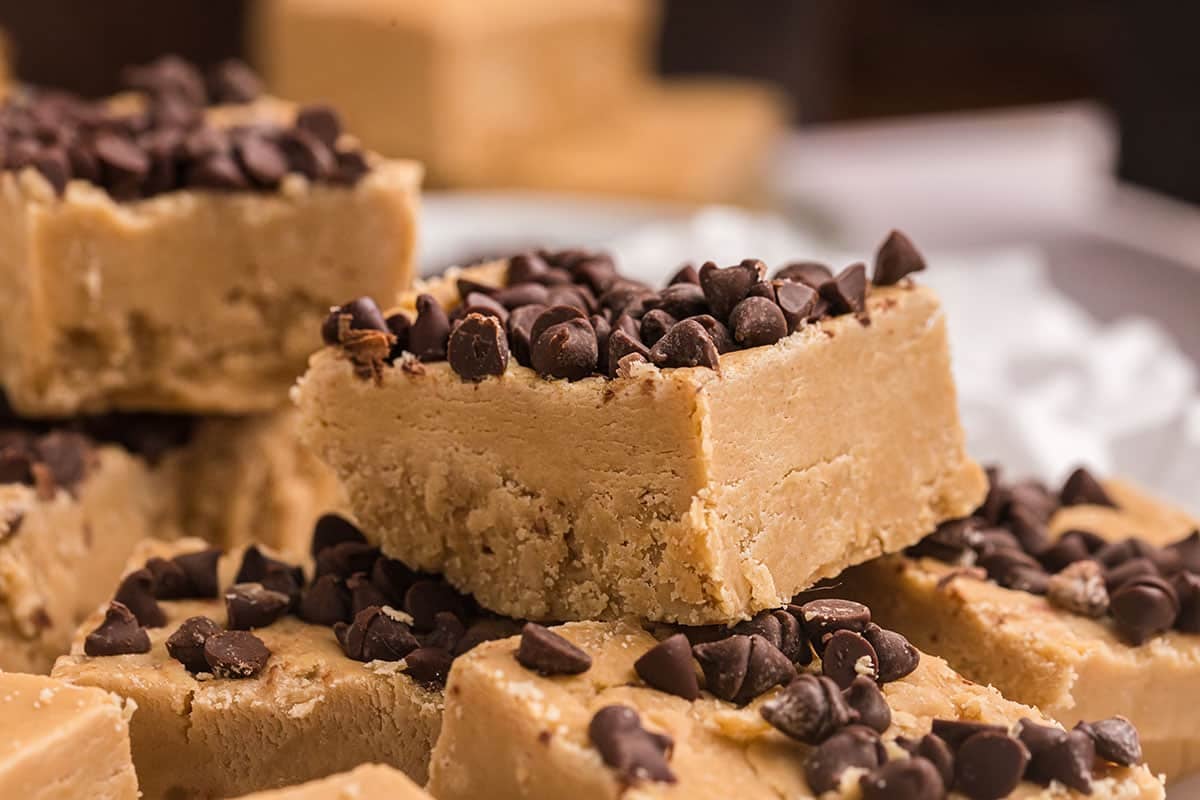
<point x="363" y="783"/>
<point x="565" y="443"/>
<point x="1084" y="602"/>
<point x="160" y="256"/>
<point x="604" y="710"/>
<point x="452" y="82"/>
<point x="248" y="676"/>
<point x="63" y="742"/>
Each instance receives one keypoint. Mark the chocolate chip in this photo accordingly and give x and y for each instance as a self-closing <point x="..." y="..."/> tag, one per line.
<point x="232" y="81"/>
<point x="1116" y="740"/>
<point x="136" y="592"/>
<point x="425" y="599"/>
<point x="1187" y="587"/>
<point x="668" y="667"/>
<point x="756" y="322"/>
<point x="1029" y="529"/>
<point x="428" y="666"/>
<point x="1123" y="573"/>
<point x="430" y="333"/>
<point x="270" y="572"/>
<point x="53" y="165"/>
<point x="201" y="571"/>
<point x="1082" y="488"/>
<point x="249" y="605"/>
<point x="1144" y="607"/>
<point x="307" y="154"/>
<point x="1187" y="550"/>
<point x="119" y="634"/>
<point x="853" y="747"/>
<point x="122" y="163"/>
<point x="170" y="581"/>
<point x="955" y="732"/>
<point x="520" y="330"/>
<point x="1070" y="547"/>
<point x="810" y="709"/>
<point x="262" y="160"/>
<point x="1015" y="569"/>
<point x="167" y="75"/>
<point x="846" y="292"/>
<point x="333" y="529"/>
<point x="763" y="289"/>
<point x="447" y="632"/>
<point x="478" y="348"/>
<point x="376" y="634"/>
<point x="322" y="122"/>
<point x="934" y="750"/>
<point x="910" y="779"/>
<point x="486" y="630"/>
<point x="810" y="273"/>
<point x="989" y="765"/>
<point x="896" y="258"/>
<point x="682" y="300"/>
<point x="393" y="578"/>
<point x="685" y="274"/>
<point x="725" y="288"/>
<point x="552" y="316"/>
<point x="635" y="753"/>
<point x="717" y="331"/>
<point x="686" y="344"/>
<point x="478" y="303"/>
<point x="740" y="668"/>
<point x="364" y="593"/>
<point x="846" y="656"/>
<point x="218" y="171"/>
<point x="1068" y="760"/>
<point x="235" y="654"/>
<point x="525" y="267"/>
<point x="523" y="294"/>
<point x="781" y="629"/>
<point x="548" y="653"/>
<point x="1080" y="589"/>
<point x="325" y="602"/>
<point x="828" y="615"/>
<point x="897" y="656"/>
<point x="655" y="325"/>
<point x="864" y="697"/>
<point x="360" y="314"/>
<point x="1034" y="497"/>
<point x="186" y="644"/>
<point x="596" y="272"/>
<point x="67" y="454"/>
<point x="797" y="302"/>
<point x="568" y="350"/>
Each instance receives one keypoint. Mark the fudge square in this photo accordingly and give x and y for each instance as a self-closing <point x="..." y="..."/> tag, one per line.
<point x="1104" y="619"/>
<point x="183" y="265"/>
<point x="450" y="82"/>
<point x="602" y="710"/>
<point x="365" y="782"/>
<point x="696" y="485"/>
<point x="63" y="742"/>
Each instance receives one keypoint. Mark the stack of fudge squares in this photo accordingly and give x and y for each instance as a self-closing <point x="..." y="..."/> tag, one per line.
<point x="540" y="530"/>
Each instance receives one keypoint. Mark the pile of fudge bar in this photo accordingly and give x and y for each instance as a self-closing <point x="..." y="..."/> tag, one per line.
<point x="278" y="521"/>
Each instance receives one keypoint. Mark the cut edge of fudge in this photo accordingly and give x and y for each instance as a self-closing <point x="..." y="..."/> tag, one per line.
<point x="367" y="781"/>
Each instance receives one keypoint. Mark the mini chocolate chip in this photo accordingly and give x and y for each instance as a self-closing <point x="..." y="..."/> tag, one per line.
<point x="896" y="258"/>
<point x="201" y="571"/>
<point x="170" y="581"/>
<point x="525" y="267"/>
<point x="756" y="322"/>
<point x="685" y="274"/>
<point x="467" y="286"/>
<point x="782" y="630"/>
<point x="552" y="316"/>
<point x="548" y="653"/>
<point x="332" y="529"/>
<point x="447" y="632"/>
<point x="740" y="668"/>
<point x="376" y="634"/>
<point x="847" y="655"/>
<point x="1038" y="738"/>
<point x="232" y="81"/>
<point x="828" y="615"/>
<point x="306" y="154"/>
<point x="621" y="344"/>
<point x="1187" y="587"/>
<point x="1144" y="607"/>
<point x="1116" y="740"/>
<point x="1080" y="589"/>
<point x="846" y="292"/>
<point x="717" y="331"/>
<point x="1082" y="488"/>
<point x="478" y="347"/>
<point x="428" y="666"/>
<point x="522" y="294"/>
<point x="218" y="171"/>
<point x="686" y="344"/>
<point x="486" y="630"/>
<point x="635" y="753"/>
<point x="864" y="697"/>
<point x="797" y="302"/>
<point x="682" y="300"/>
<point x="364" y="593"/>
<point x="270" y="572"/>
<point x="989" y="765"/>
<point x="725" y="288"/>
<point x="949" y="542"/>
<point x="424" y="599"/>
<point x="1067" y="760"/>
<point x="897" y="656"/>
<point x="574" y="296"/>
<point x="478" y="303"/>
<point x="596" y="273"/>
<point x="934" y="750"/>
<point x="430" y="332"/>
<point x="249" y="605"/>
<point x="235" y="654"/>
<point x="855" y="746"/>
<point x="1126" y="571"/>
<point x="956" y="731"/>
<point x="655" y="325"/>
<point x="136" y="592"/>
<point x="810" y="273"/>
<point x="399" y="326"/>
<point x="325" y="602"/>
<point x="568" y="350"/>
<point x="360" y="314"/>
<point x="520" y="331"/>
<point x="668" y="667"/>
<point x="810" y="709"/>
<point x="321" y="121"/>
<point x="909" y="779"/>
<point x="119" y="634"/>
<point x="261" y="159"/>
<point x="186" y="644"/>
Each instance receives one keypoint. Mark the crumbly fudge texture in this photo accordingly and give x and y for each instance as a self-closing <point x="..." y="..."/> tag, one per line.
<point x="653" y="150"/>
<point x="718" y="749"/>
<point x="682" y="494"/>
<point x="62" y="549"/>
<point x="370" y="780"/>
<point x="310" y="712"/>
<point x="63" y="742"/>
<point x="1071" y="666"/>
<point x="449" y="82"/>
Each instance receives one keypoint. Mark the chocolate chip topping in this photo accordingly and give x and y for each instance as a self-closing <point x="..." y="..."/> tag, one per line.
<point x="361" y="314"/>
<point x="635" y="753"/>
<point x="740" y="668"/>
<point x="1067" y="759"/>
<point x="566" y="350"/>
<point x="809" y="273"/>
<point x="547" y="653"/>
<point x="829" y="615"/>
<point x="430" y="333"/>
<point x="685" y="274"/>
<point x="376" y="634"/>
<point x="864" y="697"/>
<point x="668" y="667"/>
<point x="186" y="644"/>
<point x="989" y="765"/>
<point x="798" y="302"/>
<point x="1144" y="607"/>
<point x="934" y="750"/>
<point x="810" y="709"/>
<point x="757" y="322"/>
<point x="897" y="656"/>
<point x="235" y="654"/>
<point x="782" y="629"/>
<point x="272" y="573"/>
<point x="725" y="288"/>
<point x="170" y="581"/>
<point x="846" y="656"/>
<point x="853" y="747"/>
<point x="250" y="605"/>
<point x="955" y="732"/>
<point x="428" y="666"/>
<point x="1116" y="740"/>
<point x="846" y="292"/>
<point x="910" y="779"/>
<point x="201" y="571"/>
<point x="478" y="347"/>
<point x="326" y="601"/>
<point x="896" y="259"/>
<point x="1082" y="488"/>
<point x="655" y="325"/>
<point x="119" y="634"/>
<point x="686" y="344"/>
<point x="332" y="529"/>
<point x="136" y="592"/>
<point x="232" y="81"/>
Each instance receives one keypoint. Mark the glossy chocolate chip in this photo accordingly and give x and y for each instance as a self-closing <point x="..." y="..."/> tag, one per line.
<point x="846" y="292"/>
<point x="1067" y="760"/>
<point x="364" y="593"/>
<point x="685" y="274"/>
<point x="809" y="273"/>
<point x="333" y="529"/>
<point x="480" y="303"/>
<point x="686" y="344"/>
<point x="740" y="668"/>
<point x="478" y="348"/>
<point x="682" y="300"/>
<point x="934" y="750"/>
<point x="810" y="709"/>
<point x="897" y="656"/>
<point x="897" y="258"/>
<point x="547" y="653"/>
<point x="568" y="350"/>
<point x="955" y="732"/>
<point x="828" y="615"/>
<point x="909" y="779"/>
<point x="520" y="331"/>
<point x="797" y="302"/>
<point x="781" y="629"/>
<point x="525" y="267"/>
<point x="1116" y="740"/>
<point x="853" y="747"/>
<point x="426" y="598"/>
<point x="757" y="322"/>
<point x="430" y="332"/>
<point x="447" y="632"/>
<point x="989" y="765"/>
<point x="186" y="644"/>
<point x="655" y="324"/>
<point x="635" y="753"/>
<point x="1143" y="608"/>
<point x="725" y="288"/>
<point x="1123" y="573"/>
<point x="119" y="634"/>
<point x="486" y="630"/>
<point x="272" y="573"/>
<point x="429" y="666"/>
<point x="326" y="601"/>
<point x="321" y="121"/>
<point x="201" y="571"/>
<point x="847" y="655"/>
<point x="864" y="697"/>
<point x="376" y="634"/>
<point x="553" y="315"/>
<point x="170" y="581"/>
<point x="359" y="314"/>
<point x="250" y="605"/>
<point x="136" y="592"/>
<point x="669" y="667"/>
<point x="235" y="654"/>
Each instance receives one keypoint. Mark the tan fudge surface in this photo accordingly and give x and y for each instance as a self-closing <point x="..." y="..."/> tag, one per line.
<point x="1068" y="665"/>
<point x="312" y="712"/>
<point x="685" y="495"/>
<point x="62" y="742"/>
<point x="449" y="82"/>
<point x="720" y="751"/>
<point x="61" y="556"/>
<point x="248" y="479"/>
<point x="364" y="783"/>
<point x="195" y="301"/>
<point x="687" y="141"/>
